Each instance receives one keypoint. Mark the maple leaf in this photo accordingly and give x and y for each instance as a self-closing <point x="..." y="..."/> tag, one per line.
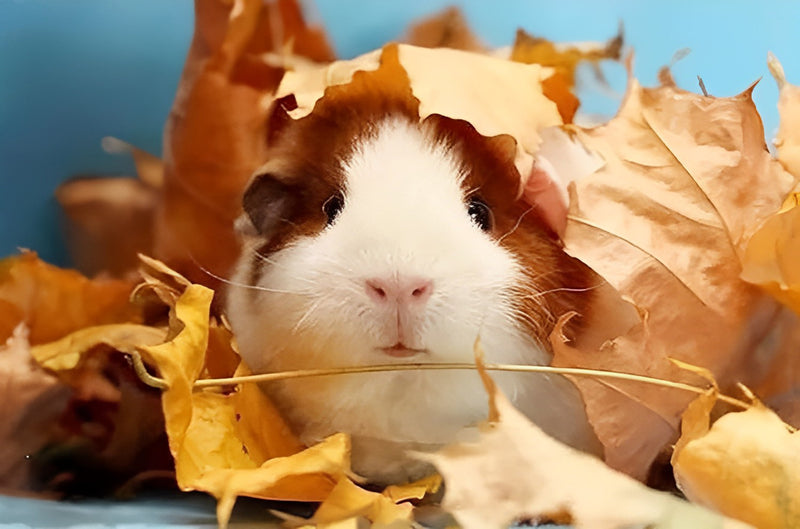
<point x="744" y="466"/>
<point x="665" y="222"/>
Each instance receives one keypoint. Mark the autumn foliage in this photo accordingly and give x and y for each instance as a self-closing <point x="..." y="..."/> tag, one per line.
<point x="676" y="203"/>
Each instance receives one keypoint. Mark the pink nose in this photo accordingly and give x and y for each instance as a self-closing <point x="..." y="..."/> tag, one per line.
<point x="403" y="291"/>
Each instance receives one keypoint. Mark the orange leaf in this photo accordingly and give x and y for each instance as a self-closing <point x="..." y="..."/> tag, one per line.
<point x="54" y="302"/>
<point x="215" y="134"/>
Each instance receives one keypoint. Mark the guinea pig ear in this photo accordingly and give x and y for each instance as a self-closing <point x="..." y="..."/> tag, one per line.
<point x="267" y="202"/>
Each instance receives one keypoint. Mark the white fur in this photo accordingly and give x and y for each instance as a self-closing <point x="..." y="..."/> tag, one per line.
<point x="404" y="214"/>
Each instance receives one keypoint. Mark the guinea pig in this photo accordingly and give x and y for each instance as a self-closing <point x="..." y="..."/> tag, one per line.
<point x="371" y="237"/>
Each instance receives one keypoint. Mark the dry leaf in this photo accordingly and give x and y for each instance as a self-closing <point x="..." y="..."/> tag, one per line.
<point x="564" y="59"/>
<point x="232" y="444"/>
<point x="787" y="140"/>
<point x="665" y="222"/>
<point x="452" y="83"/>
<point x="53" y="302"/>
<point x="97" y="211"/>
<point x="773" y="252"/>
<point x="446" y="29"/>
<point x="215" y="134"/>
<point x="746" y="466"/>
<point x="348" y="500"/>
<point x="33" y="400"/>
<point x="516" y="472"/>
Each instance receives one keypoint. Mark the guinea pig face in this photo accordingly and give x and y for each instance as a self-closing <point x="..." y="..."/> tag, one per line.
<point x="403" y="265"/>
<point x="396" y="242"/>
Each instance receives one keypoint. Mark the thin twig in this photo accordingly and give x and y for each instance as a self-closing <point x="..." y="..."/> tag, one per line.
<point x="306" y="373"/>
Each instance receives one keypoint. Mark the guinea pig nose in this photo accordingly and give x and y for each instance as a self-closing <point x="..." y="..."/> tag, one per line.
<point x="400" y="290"/>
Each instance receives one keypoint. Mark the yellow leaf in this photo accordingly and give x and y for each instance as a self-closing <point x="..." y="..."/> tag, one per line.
<point x="66" y="354"/>
<point x="747" y="466"/>
<point x="348" y="500"/>
<point x="414" y="491"/>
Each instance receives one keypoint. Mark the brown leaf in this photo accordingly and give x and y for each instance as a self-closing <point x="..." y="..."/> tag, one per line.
<point x="53" y="302"/>
<point x="446" y="29"/>
<point x="665" y="222"/>
<point x="33" y="400"/>
<point x="97" y="211"/>
<point x="215" y="135"/>
<point x="515" y="472"/>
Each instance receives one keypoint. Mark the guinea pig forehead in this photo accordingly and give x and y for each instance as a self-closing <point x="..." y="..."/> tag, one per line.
<point x="487" y="162"/>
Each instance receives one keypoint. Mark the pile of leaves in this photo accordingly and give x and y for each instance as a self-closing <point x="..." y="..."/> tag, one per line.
<point x="676" y="202"/>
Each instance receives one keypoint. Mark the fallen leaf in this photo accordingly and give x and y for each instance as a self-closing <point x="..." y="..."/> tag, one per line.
<point x="215" y="134"/>
<point x="773" y="252"/>
<point x="787" y="141"/>
<point x="67" y="353"/>
<point x="665" y="222"/>
<point x="33" y="400"/>
<point x="53" y="302"/>
<point x="97" y="211"/>
<point x="745" y="466"/>
<point x="515" y="472"/>
<point x="347" y="500"/>
<point x="451" y="83"/>
<point x="564" y="59"/>
<point x="446" y="29"/>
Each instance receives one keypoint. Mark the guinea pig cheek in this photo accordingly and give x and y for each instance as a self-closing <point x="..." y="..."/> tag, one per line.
<point x="320" y="314"/>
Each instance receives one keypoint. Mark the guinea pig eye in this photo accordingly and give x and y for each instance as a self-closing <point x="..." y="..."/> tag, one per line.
<point x="480" y="213"/>
<point x="333" y="206"/>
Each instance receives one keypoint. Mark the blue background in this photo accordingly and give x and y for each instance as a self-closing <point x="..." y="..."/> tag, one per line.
<point x="74" y="71"/>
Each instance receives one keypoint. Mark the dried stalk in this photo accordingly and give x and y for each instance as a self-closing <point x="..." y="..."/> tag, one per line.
<point x="156" y="382"/>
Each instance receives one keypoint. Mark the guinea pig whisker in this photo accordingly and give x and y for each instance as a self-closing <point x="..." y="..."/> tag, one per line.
<point x="516" y="225"/>
<point x="311" y="308"/>
<point x="563" y="289"/>
<point x="238" y="284"/>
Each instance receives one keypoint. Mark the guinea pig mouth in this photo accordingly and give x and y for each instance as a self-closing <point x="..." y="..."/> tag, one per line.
<point x="399" y="350"/>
